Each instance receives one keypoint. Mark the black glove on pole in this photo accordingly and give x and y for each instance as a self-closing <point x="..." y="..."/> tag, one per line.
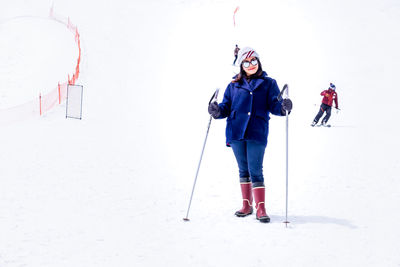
<point x="287" y="104"/>
<point x="213" y="109"/>
<point x="214" y="97"/>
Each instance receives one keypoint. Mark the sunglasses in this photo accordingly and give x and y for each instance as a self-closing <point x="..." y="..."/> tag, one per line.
<point x="253" y="62"/>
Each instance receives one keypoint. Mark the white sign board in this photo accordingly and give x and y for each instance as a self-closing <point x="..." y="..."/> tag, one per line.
<point x="74" y="101"/>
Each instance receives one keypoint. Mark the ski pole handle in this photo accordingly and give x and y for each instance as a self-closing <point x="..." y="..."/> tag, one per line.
<point x="214" y="96"/>
<point x="285" y="87"/>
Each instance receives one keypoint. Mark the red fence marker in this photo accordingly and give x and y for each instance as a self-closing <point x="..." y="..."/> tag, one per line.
<point x="40" y="104"/>
<point x="59" y="93"/>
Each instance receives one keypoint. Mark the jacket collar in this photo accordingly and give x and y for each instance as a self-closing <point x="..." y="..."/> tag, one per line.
<point x="253" y="83"/>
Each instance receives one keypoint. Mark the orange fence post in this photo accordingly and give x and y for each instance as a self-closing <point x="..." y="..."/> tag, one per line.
<point x="59" y="93"/>
<point x="40" y="104"/>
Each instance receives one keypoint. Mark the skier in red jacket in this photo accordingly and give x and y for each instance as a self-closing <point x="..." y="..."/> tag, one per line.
<point x="329" y="96"/>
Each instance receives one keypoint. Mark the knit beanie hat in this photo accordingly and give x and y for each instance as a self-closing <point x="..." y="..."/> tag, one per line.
<point x="247" y="52"/>
<point x="332" y="86"/>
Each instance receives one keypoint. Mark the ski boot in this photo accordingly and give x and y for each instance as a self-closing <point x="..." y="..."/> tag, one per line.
<point x="259" y="198"/>
<point x="324" y="123"/>
<point x="247" y="208"/>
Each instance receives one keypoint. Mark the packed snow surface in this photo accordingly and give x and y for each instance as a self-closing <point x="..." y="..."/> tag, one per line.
<point x="112" y="189"/>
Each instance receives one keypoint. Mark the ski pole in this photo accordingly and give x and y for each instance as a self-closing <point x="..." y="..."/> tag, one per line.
<point x="286" y="88"/>
<point x="214" y="97"/>
<point x="287" y="154"/>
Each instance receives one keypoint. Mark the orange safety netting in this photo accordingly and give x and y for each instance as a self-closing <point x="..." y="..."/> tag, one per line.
<point x="59" y="94"/>
<point x="55" y="96"/>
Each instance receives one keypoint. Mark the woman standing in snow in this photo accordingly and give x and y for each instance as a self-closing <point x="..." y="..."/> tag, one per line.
<point x="247" y="103"/>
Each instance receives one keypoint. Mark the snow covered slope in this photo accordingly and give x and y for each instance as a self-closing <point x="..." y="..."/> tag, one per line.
<point x="112" y="189"/>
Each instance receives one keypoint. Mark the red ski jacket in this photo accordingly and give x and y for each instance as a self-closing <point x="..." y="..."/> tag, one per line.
<point x="329" y="95"/>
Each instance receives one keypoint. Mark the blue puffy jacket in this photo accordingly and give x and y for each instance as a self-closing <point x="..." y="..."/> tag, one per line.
<point x="247" y="106"/>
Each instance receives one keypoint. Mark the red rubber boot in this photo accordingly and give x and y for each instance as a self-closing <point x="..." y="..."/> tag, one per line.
<point x="247" y="208"/>
<point x="259" y="199"/>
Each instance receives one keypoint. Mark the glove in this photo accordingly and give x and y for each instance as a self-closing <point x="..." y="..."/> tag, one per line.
<point x="287" y="105"/>
<point x="213" y="109"/>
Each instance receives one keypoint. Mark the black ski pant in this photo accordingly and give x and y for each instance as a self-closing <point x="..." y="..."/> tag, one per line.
<point x="322" y="109"/>
<point x="235" y="60"/>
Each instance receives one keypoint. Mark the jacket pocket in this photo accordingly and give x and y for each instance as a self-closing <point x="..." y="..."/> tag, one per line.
<point x="262" y="115"/>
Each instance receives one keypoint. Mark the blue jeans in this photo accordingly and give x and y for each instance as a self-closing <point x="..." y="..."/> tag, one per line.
<point x="249" y="156"/>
